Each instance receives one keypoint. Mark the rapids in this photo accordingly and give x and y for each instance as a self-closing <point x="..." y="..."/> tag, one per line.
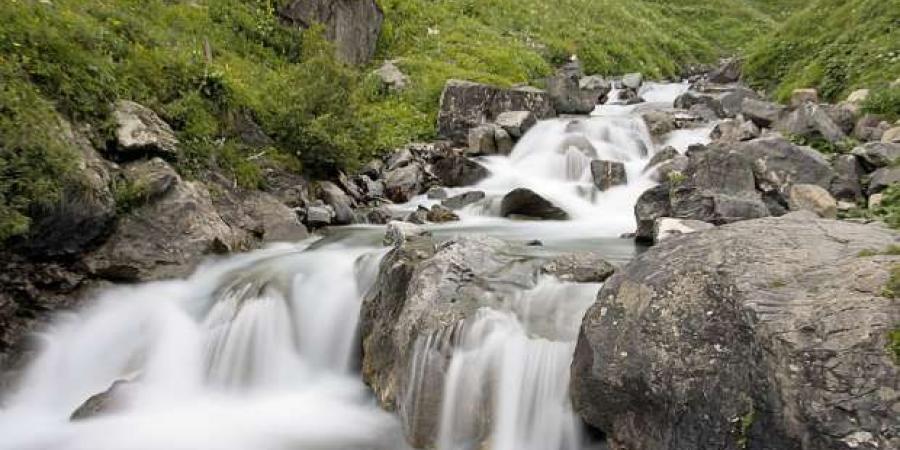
<point x="259" y="351"/>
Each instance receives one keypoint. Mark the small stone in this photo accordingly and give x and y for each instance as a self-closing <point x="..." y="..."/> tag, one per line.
<point x="811" y="197"/>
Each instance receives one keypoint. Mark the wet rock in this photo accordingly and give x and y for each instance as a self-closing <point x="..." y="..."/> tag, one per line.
<point x="607" y="174"/>
<point x="441" y="214"/>
<point x="803" y="96"/>
<point x="516" y="123"/>
<point x="567" y="96"/>
<point x="734" y="130"/>
<point x="338" y="200"/>
<point x="396" y="233"/>
<point x="729" y="71"/>
<point x="379" y="215"/>
<point x="762" y="113"/>
<point x="318" y="216"/>
<point x="810" y="197"/>
<point x="465" y="105"/>
<point x="164" y="239"/>
<point x="372" y="190"/>
<point x="373" y="169"/>
<point x="465" y="199"/>
<point x="847" y="175"/>
<point x="582" y="267"/>
<point x="668" y="227"/>
<point x="659" y="123"/>
<point x="423" y="293"/>
<point x="482" y="140"/>
<point x="725" y="103"/>
<point x="436" y="193"/>
<point x="651" y="205"/>
<point x="671" y="170"/>
<point x="811" y="121"/>
<point x="419" y="216"/>
<point x="457" y="171"/>
<point x="875" y="155"/>
<point x="883" y="178"/>
<point x="276" y="222"/>
<point x="661" y="156"/>
<point x="139" y="131"/>
<point x="105" y="402"/>
<point x="629" y="97"/>
<point x="595" y="88"/>
<point x="744" y="327"/>
<point x="504" y="142"/>
<point x="526" y="203"/>
<point x="353" y="25"/>
<point x="391" y="77"/>
<point x="404" y="183"/>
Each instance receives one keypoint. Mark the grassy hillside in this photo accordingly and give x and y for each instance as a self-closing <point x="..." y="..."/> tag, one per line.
<point x="835" y="46"/>
<point x="202" y="63"/>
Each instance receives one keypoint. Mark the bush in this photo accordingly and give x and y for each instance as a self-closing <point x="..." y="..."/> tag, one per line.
<point x="885" y="102"/>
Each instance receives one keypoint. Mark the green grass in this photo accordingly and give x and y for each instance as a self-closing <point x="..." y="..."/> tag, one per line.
<point x="202" y="63"/>
<point x="835" y="46"/>
<point x="894" y="344"/>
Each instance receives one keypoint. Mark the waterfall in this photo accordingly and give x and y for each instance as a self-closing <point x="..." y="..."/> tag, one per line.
<point x="260" y="350"/>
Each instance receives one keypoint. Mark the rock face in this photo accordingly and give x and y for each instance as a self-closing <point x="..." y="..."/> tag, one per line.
<point x="140" y="131"/>
<point x="353" y="25"/>
<point x="737" y="338"/>
<point x="466" y="105"/>
<point x="423" y="290"/>
<point x="526" y="203"/>
<point x="165" y="238"/>
<point x="607" y="174"/>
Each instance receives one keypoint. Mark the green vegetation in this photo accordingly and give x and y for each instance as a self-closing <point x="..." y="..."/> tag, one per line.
<point x="835" y="46"/>
<point x="884" y="102"/>
<point x="892" y="288"/>
<point x="894" y="343"/>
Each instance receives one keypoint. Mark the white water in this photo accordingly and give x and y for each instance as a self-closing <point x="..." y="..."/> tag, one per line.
<point x="257" y="351"/>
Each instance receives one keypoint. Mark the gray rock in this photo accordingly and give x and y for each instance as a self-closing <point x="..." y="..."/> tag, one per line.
<point x="595" y="88"/>
<point x="338" y="200"/>
<point x="668" y="227"/>
<point x="516" y="123"/>
<point x="391" y="78"/>
<point x="139" y="131"/>
<point x="164" y="239"/>
<point x="891" y="136"/>
<point x="400" y="185"/>
<point x="651" y="205"/>
<point x="883" y="178"/>
<point x="504" y="142"/>
<point x="847" y="175"/>
<point x="734" y="130"/>
<point x="738" y="337"/>
<point x="801" y="97"/>
<point x="810" y="197"/>
<point x="727" y="72"/>
<point x="843" y="116"/>
<point x="811" y="121"/>
<point x="582" y="267"/>
<point x="149" y="180"/>
<point x="465" y="105"/>
<point x="436" y="193"/>
<point x="482" y="140"/>
<point x="108" y="401"/>
<point x="661" y="156"/>
<point x="671" y="169"/>
<point x="659" y="123"/>
<point x="462" y="200"/>
<point x="419" y="216"/>
<point x="319" y="216"/>
<point x="607" y="174"/>
<point x="567" y="96"/>
<point x="632" y="81"/>
<point x="353" y="25"/>
<point x="379" y="215"/>
<point x="762" y="113"/>
<point x="422" y="294"/>
<point x="526" y="203"/>
<point x="457" y="171"/>
<point x="396" y="233"/>
<point x="777" y="163"/>
<point x="277" y="222"/>
<point x="875" y="155"/>
<point x="373" y="169"/>
<point x="441" y="214"/>
<point x="870" y="128"/>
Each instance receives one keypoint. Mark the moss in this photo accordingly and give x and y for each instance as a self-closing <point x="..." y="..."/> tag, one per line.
<point x="746" y="424"/>
<point x="894" y="343"/>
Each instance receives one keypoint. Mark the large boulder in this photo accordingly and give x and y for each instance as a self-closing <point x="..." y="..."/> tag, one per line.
<point x="165" y="238"/>
<point x="516" y="123"/>
<point x="883" y="178"/>
<point x="423" y="292"/>
<point x="810" y="120"/>
<point x="353" y="25"/>
<point x="275" y="221"/>
<point x="404" y="183"/>
<point x="567" y="96"/>
<point x="667" y="227"/>
<point x="810" y="197"/>
<point x="729" y="71"/>
<point x="462" y="200"/>
<point x="458" y="170"/>
<point x="525" y="203"/>
<point x="738" y="337"/>
<point x="724" y="102"/>
<point x="734" y="130"/>
<point x="875" y="155"/>
<point x="607" y="174"/>
<point x="777" y="164"/>
<point x="846" y="184"/>
<point x="338" y="200"/>
<point x="653" y="204"/>
<point x="139" y="131"/>
<point x="760" y="112"/>
<point x="466" y="105"/>
<point x="870" y="127"/>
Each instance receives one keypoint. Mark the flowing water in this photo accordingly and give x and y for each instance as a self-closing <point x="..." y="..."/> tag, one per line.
<point x="258" y="351"/>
